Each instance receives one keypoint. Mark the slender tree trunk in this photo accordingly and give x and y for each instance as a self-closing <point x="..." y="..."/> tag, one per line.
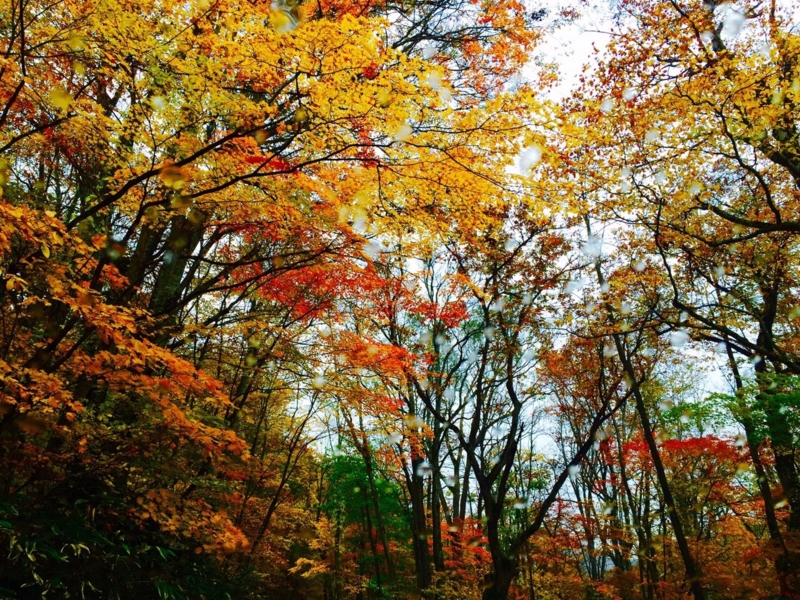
<point x="692" y="572"/>
<point x="381" y="529"/>
<point x="371" y="539"/>
<point x="183" y="237"/>
<point x="436" y="492"/>
<point x="419" y="527"/>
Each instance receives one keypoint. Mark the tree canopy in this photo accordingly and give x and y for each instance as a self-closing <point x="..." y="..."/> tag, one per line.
<point x="334" y="300"/>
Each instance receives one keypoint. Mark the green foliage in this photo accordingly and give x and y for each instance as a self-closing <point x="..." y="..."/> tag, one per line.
<point x="348" y="496"/>
<point x="693" y="418"/>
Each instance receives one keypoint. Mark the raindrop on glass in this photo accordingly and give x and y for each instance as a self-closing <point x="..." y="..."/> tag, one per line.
<point x="372" y="249"/>
<point x="434" y="80"/>
<point x="403" y="132"/>
<point x="575" y="285"/>
<point x="732" y="22"/>
<point x="527" y="298"/>
<point x="678" y="338"/>
<point x="497" y="305"/>
<point x="528" y="158"/>
<point x="593" y="247"/>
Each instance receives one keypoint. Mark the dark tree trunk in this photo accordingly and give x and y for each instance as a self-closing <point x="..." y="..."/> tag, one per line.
<point x="381" y="528"/>
<point x="182" y="239"/>
<point x="692" y="572"/>
<point x="498" y="584"/>
<point x="422" y="562"/>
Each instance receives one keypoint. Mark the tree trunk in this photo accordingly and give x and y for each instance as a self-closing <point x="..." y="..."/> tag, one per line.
<point x="419" y="527"/>
<point x="381" y="529"/>
<point x="498" y="583"/>
<point x="183" y="237"/>
<point x="692" y="572"/>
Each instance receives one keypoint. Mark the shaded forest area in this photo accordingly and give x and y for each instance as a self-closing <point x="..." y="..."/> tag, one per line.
<point x="331" y="300"/>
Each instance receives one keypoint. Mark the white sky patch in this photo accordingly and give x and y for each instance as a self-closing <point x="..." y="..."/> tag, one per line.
<point x="573" y="46"/>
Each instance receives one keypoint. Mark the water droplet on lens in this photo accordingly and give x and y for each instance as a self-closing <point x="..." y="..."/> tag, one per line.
<point x="629" y="94"/>
<point x="424" y="469"/>
<point x="678" y="338"/>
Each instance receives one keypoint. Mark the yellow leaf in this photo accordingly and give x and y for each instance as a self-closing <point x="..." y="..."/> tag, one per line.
<point x="45" y="251"/>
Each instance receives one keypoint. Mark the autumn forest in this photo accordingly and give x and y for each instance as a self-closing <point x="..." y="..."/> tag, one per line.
<point x="355" y="300"/>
